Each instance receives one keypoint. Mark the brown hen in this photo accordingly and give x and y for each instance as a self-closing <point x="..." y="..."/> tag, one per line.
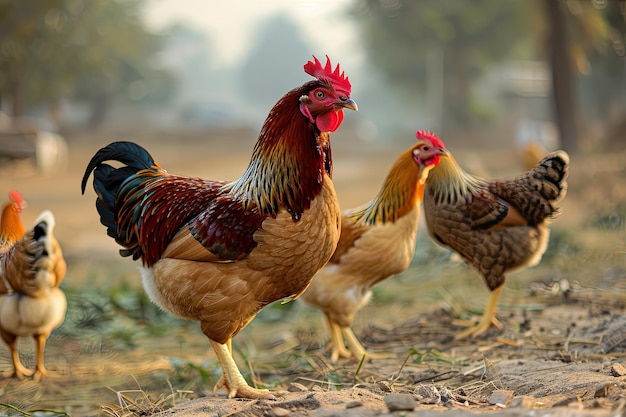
<point x="497" y="226"/>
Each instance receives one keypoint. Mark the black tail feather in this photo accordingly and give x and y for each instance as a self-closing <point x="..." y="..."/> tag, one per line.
<point x="108" y="180"/>
<point x="128" y="153"/>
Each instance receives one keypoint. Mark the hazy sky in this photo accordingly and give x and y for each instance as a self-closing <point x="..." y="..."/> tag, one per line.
<point x="232" y="23"/>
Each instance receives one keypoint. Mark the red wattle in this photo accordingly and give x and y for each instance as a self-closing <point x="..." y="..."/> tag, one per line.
<point x="329" y="121"/>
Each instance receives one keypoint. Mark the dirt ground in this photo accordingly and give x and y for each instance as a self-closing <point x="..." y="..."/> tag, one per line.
<point x="562" y="349"/>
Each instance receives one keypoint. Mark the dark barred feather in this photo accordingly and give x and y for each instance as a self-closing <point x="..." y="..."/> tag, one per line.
<point x="536" y="193"/>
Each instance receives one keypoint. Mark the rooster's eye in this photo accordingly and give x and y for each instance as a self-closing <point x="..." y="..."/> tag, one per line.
<point x="426" y="148"/>
<point x="319" y="94"/>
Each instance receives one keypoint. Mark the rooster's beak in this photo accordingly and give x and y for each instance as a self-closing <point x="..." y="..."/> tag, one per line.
<point x="348" y="103"/>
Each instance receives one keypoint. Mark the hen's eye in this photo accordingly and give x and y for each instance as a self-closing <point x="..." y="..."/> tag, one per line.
<point x="426" y="148"/>
<point x="319" y="94"/>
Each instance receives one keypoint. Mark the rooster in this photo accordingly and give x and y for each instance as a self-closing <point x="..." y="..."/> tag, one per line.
<point x="377" y="241"/>
<point x="32" y="269"/>
<point x="495" y="225"/>
<point x="216" y="251"/>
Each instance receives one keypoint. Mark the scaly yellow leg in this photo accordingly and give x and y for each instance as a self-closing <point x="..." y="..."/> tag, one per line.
<point x="222" y="381"/>
<point x="19" y="371"/>
<point x="232" y="379"/>
<point x="40" y="371"/>
<point x="488" y="318"/>
<point x="336" y="345"/>
<point x="356" y="347"/>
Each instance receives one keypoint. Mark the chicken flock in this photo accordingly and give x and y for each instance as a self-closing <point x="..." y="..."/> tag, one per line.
<point x="218" y="251"/>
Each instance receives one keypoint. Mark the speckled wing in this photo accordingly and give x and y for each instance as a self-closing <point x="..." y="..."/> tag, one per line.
<point x="486" y="211"/>
<point x="222" y="232"/>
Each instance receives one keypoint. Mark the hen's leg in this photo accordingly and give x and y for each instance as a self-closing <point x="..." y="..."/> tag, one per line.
<point x="356" y="347"/>
<point x="336" y="345"/>
<point x="488" y="318"/>
<point x="40" y="371"/>
<point x="19" y="371"/>
<point x="232" y="379"/>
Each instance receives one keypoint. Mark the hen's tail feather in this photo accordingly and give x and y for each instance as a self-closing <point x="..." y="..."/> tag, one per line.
<point x="538" y="192"/>
<point x="552" y="172"/>
<point x="32" y="264"/>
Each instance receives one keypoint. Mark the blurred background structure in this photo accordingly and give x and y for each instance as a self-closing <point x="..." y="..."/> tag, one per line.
<point x="550" y="71"/>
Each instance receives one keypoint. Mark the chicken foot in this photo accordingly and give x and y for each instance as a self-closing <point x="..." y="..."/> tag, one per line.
<point x="19" y="370"/>
<point x="40" y="341"/>
<point x="340" y="337"/>
<point x="232" y="379"/>
<point x="488" y="318"/>
<point x="337" y="346"/>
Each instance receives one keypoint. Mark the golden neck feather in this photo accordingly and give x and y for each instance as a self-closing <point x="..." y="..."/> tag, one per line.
<point x="402" y="190"/>
<point x="11" y="226"/>
<point x="449" y="183"/>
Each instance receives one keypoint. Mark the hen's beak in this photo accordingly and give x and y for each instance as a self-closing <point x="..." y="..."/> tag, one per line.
<point x="348" y="103"/>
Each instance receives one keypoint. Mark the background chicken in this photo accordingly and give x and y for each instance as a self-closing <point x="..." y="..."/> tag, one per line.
<point x="11" y="227"/>
<point x="495" y="225"/>
<point x="218" y="252"/>
<point x="32" y="270"/>
<point x="377" y="241"/>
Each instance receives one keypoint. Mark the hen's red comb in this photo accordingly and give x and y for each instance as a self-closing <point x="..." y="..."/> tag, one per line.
<point x="337" y="78"/>
<point x="16" y="197"/>
<point x="428" y="135"/>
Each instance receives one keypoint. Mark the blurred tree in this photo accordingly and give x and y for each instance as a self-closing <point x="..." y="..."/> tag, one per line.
<point x="267" y="69"/>
<point x="563" y="87"/>
<point x="583" y="40"/>
<point x="403" y="38"/>
<point x="89" y="50"/>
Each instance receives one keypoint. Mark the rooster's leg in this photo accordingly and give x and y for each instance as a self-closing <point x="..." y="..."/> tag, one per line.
<point x="222" y="382"/>
<point x="355" y="346"/>
<point x="232" y="379"/>
<point x="336" y="345"/>
<point x="488" y="318"/>
<point x="40" y="372"/>
<point x="19" y="371"/>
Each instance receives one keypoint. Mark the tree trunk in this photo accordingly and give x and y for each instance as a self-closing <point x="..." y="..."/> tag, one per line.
<point x="563" y="87"/>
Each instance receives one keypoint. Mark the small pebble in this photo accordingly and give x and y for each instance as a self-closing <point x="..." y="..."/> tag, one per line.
<point x="527" y="403"/>
<point x="400" y="402"/>
<point x="427" y="394"/>
<point x="296" y="387"/>
<point x="602" y="390"/>
<point x="354" y="404"/>
<point x="617" y="369"/>
<point x="500" y="398"/>
<point x="384" y="386"/>
<point x="280" y="412"/>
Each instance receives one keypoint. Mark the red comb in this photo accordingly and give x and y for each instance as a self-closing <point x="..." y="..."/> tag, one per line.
<point x="338" y="79"/>
<point x="430" y="136"/>
<point x="15" y="197"/>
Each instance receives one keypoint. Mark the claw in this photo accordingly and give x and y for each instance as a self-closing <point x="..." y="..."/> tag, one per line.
<point x="233" y="381"/>
<point x="488" y="318"/>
